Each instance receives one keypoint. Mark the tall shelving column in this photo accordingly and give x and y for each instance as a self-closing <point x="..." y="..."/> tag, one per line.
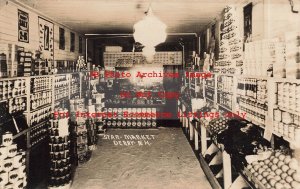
<point x="27" y="81"/>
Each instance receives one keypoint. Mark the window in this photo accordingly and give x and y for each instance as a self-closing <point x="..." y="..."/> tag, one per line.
<point x="61" y="38"/>
<point x="80" y="44"/>
<point x="248" y="23"/>
<point x="72" y="42"/>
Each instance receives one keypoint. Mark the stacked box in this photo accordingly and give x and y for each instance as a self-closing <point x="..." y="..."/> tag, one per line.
<point x="92" y="134"/>
<point x="127" y="59"/>
<point x="39" y="66"/>
<point x="265" y="58"/>
<point x="231" y="45"/>
<point x="292" y="40"/>
<point x="13" y="166"/>
<point x="25" y="66"/>
<point x="83" y="154"/>
<point x="3" y="65"/>
<point x="10" y="51"/>
<point x="99" y="104"/>
<point x="279" y="67"/>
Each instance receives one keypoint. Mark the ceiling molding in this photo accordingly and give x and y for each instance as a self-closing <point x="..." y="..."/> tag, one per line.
<point x="19" y="3"/>
<point x="119" y="16"/>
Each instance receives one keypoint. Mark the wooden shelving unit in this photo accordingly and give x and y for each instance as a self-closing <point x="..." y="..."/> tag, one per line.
<point x="204" y="145"/>
<point x="28" y="81"/>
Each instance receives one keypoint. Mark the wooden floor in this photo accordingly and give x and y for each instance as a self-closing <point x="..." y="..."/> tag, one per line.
<point x="142" y="159"/>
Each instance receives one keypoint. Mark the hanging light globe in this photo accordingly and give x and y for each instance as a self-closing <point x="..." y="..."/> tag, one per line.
<point x="150" y="31"/>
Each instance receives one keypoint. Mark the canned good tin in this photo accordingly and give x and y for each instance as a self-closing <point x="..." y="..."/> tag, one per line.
<point x="285" y="87"/>
<point x="8" y="164"/>
<point x="286" y="129"/>
<point x="22" y="171"/>
<point x="3" y="178"/>
<point x="277" y="115"/>
<point x="18" y="184"/>
<point x="297" y="120"/>
<point x="17" y="161"/>
<point x="291" y="136"/>
<point x="3" y="152"/>
<point x="280" y="126"/>
<point x="7" y="139"/>
<point x="292" y="128"/>
<point x="297" y="134"/>
<point x="153" y="124"/>
<point x="133" y="123"/>
<point x="25" y="181"/>
<point x="60" y="147"/>
<point x="287" y="118"/>
<point x="13" y="176"/>
<point x="297" y="89"/>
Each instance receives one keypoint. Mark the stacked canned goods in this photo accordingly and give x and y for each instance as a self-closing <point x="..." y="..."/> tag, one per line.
<point x="12" y="88"/>
<point x="288" y="96"/>
<point x="130" y="117"/>
<point x="13" y="167"/>
<point x="286" y="124"/>
<point x="60" y="163"/>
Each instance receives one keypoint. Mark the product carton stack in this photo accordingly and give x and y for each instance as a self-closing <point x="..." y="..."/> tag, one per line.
<point x="99" y="105"/>
<point x="292" y="40"/>
<point x="231" y="45"/>
<point x="280" y="55"/>
<point x="265" y="58"/>
<point x="60" y="157"/>
<point x="12" y="166"/>
<point x="85" y="130"/>
<point x="83" y="154"/>
<point x="11" y="53"/>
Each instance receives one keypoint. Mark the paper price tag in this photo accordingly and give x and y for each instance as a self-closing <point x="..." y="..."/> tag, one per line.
<point x="63" y="127"/>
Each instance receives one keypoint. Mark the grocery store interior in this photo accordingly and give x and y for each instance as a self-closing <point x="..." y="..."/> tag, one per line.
<point x="170" y="94"/>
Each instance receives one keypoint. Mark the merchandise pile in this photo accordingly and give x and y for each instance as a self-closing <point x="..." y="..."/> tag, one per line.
<point x="60" y="158"/>
<point x="231" y="45"/>
<point x="12" y="166"/>
<point x="275" y="170"/>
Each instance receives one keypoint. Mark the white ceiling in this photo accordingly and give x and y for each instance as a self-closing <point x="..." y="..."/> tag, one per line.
<point x="118" y="16"/>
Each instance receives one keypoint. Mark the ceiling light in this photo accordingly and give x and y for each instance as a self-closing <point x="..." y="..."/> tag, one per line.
<point x="150" y="31"/>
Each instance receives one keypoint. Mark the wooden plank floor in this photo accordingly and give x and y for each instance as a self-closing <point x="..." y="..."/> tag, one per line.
<point x="162" y="160"/>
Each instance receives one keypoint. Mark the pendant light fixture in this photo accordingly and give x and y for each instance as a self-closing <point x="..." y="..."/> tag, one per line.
<point x="150" y="32"/>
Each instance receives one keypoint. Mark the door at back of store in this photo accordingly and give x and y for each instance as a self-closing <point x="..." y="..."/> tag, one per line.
<point x="172" y="92"/>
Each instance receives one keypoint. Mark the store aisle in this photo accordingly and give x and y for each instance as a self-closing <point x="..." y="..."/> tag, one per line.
<point x="147" y="159"/>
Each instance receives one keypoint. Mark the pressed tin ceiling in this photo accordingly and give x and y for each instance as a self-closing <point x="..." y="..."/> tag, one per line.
<point x="119" y="16"/>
